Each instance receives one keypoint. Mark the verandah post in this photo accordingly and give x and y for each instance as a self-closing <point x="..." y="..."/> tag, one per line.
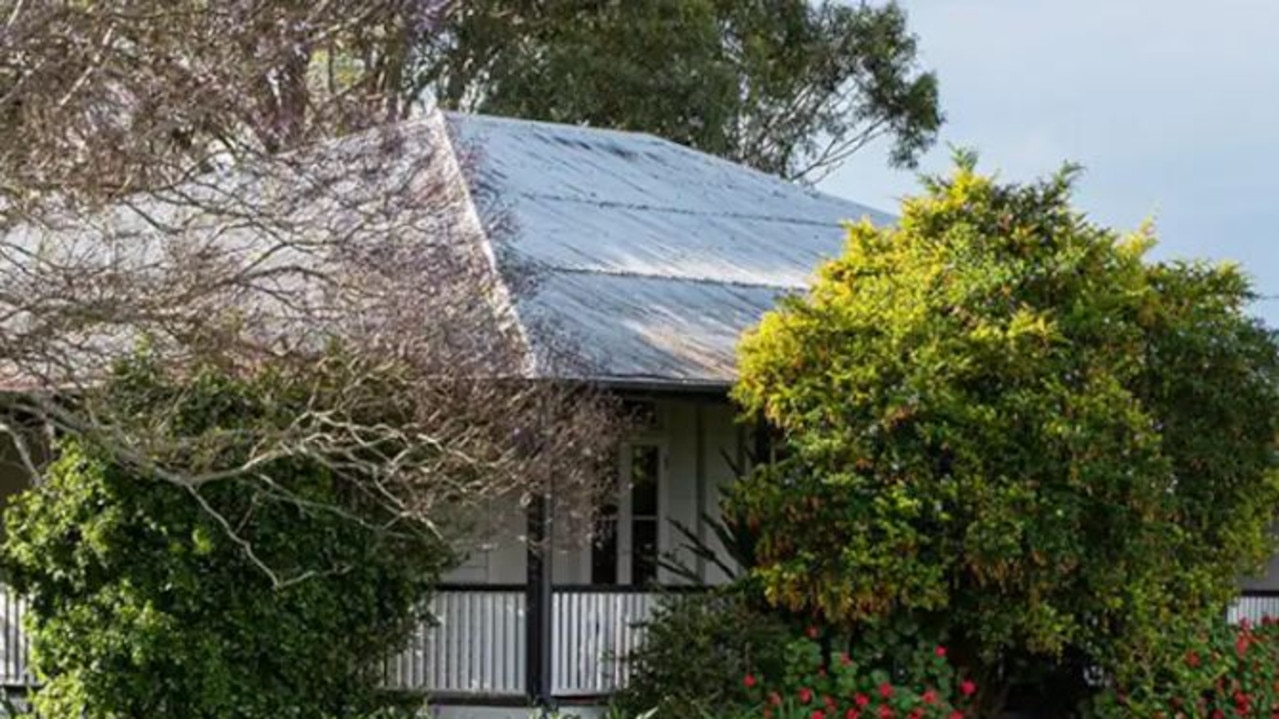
<point x="538" y="599"/>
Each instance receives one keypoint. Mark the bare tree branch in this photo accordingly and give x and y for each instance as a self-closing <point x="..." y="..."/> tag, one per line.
<point x="231" y="186"/>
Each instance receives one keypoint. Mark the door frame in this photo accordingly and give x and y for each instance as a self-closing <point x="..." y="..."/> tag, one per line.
<point x="625" y="512"/>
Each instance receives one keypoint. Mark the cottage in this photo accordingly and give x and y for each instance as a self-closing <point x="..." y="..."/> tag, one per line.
<point x="648" y="259"/>
<point x="651" y="259"/>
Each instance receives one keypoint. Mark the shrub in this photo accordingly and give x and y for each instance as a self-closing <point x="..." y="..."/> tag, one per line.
<point x="144" y="604"/>
<point x="905" y="678"/>
<point x="1006" y="418"/>
<point x="697" y="649"/>
<point x="1219" y="671"/>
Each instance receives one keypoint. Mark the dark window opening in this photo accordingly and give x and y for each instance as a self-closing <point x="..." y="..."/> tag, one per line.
<point x="604" y="546"/>
<point x="645" y="469"/>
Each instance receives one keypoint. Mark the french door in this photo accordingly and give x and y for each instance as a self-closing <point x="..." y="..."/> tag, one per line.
<point x="626" y="543"/>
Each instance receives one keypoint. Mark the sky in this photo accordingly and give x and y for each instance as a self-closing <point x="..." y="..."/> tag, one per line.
<point x="1171" y="106"/>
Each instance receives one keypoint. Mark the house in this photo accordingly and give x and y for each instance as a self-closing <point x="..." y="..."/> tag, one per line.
<point x="651" y="258"/>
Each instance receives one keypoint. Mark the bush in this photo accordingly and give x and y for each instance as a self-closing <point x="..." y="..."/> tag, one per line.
<point x="1004" y="418"/>
<point x="1219" y="671"/>
<point x="143" y="604"/>
<point x="883" y="677"/>
<point x="698" y="648"/>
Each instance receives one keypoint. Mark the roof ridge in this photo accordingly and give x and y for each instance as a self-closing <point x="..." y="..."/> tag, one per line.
<point x="811" y="191"/>
<point x="670" y="278"/>
<point x="683" y="211"/>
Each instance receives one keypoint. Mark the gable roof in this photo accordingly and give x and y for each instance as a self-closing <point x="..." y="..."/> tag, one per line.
<point x="649" y="257"/>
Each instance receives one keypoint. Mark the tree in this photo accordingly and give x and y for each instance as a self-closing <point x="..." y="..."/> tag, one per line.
<point x="1003" y="422"/>
<point x="787" y="86"/>
<point x="230" y="189"/>
<point x="231" y="185"/>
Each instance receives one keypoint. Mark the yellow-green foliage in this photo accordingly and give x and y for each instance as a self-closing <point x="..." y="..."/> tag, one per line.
<point x="1007" y="418"/>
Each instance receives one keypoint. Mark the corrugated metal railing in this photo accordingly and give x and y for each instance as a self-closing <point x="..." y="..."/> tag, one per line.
<point x="1254" y="605"/>
<point x="13" y="642"/>
<point x="477" y="646"/>
<point x="594" y="630"/>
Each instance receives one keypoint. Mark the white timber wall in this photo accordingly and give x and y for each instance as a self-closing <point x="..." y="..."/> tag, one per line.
<point x="700" y="441"/>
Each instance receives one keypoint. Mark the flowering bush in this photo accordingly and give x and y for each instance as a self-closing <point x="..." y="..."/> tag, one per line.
<point x="1009" y="421"/>
<point x="1224" y="672"/>
<point x="919" y="683"/>
<point x="696" y="649"/>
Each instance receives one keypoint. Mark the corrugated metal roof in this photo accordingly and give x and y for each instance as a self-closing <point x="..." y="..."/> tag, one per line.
<point x="648" y="258"/>
<point x="651" y="258"/>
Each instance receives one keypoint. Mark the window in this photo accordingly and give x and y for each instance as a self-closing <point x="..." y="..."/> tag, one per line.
<point x="624" y="545"/>
<point x="645" y="467"/>
<point x="604" y="545"/>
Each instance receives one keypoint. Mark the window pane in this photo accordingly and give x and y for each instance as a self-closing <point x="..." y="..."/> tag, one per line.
<point x="644" y="551"/>
<point x="604" y="548"/>
<point x="645" y="463"/>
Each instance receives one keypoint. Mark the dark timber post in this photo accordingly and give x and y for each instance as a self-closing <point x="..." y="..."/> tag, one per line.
<point x="537" y="617"/>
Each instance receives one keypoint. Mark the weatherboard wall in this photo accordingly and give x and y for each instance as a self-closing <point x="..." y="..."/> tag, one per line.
<point x="700" y="442"/>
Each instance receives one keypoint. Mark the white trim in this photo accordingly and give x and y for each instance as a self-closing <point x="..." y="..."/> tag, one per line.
<point x="625" y="512"/>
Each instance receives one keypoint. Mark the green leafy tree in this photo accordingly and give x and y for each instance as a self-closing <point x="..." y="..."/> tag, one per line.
<point x="788" y="86"/>
<point x="1003" y="419"/>
<point x="150" y="599"/>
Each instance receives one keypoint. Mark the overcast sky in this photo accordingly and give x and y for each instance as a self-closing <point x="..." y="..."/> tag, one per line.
<point x="1172" y="106"/>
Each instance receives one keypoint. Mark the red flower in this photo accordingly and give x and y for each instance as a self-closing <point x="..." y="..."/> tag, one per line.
<point x="830" y="703"/>
<point x="940" y="651"/>
<point x="852" y="714"/>
<point x="749" y="681"/>
<point x="956" y="715"/>
<point x="774" y="698"/>
<point x="1218" y="714"/>
<point x="811" y="632"/>
<point x="817" y="714"/>
<point x="805" y="695"/>
<point x="915" y="714"/>
<point x="885" y="690"/>
<point x="1241" y="645"/>
<point x="885" y="712"/>
<point x="929" y="697"/>
<point x="1192" y="658"/>
<point x="861" y="700"/>
<point x="967" y="688"/>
